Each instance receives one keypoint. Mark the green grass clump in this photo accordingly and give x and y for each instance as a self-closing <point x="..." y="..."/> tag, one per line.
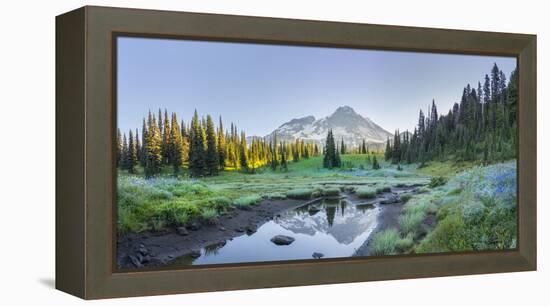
<point x="366" y="192"/>
<point x="449" y="235"/>
<point x="209" y="213"/>
<point x="247" y="200"/>
<point x="331" y="191"/>
<point x="389" y="242"/>
<point x="405" y="197"/>
<point x="275" y="196"/>
<point x="411" y="222"/>
<point x="383" y="189"/>
<point x="455" y="191"/>
<point x="422" y="190"/>
<point x="302" y="194"/>
<point x="437" y="181"/>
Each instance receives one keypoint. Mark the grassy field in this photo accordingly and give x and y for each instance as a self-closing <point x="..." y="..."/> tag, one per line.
<point x="463" y="206"/>
<point x="474" y="210"/>
<point x="167" y="201"/>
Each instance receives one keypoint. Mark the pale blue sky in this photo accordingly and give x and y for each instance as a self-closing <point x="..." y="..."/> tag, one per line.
<point x="259" y="87"/>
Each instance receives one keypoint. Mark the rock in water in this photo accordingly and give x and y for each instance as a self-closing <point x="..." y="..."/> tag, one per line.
<point x="282" y="240"/>
<point x="143" y="250"/>
<point x="135" y="260"/>
<point x="250" y="230"/>
<point x="183" y="231"/>
<point x="390" y="199"/>
<point x="194" y="226"/>
<point x="317" y="255"/>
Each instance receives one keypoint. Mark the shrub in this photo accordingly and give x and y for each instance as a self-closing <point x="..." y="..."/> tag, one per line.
<point x="422" y="190"/>
<point x="209" y="213"/>
<point x="177" y="213"/>
<point x="405" y="197"/>
<point x="366" y="193"/>
<point x="247" y="200"/>
<point x="389" y="242"/>
<point x="385" y="243"/>
<point x="437" y="181"/>
<point x="405" y="243"/>
<point x="302" y="194"/>
<point x="218" y="203"/>
<point x="473" y="212"/>
<point x="449" y="235"/>
<point x="350" y="189"/>
<point x="275" y="196"/>
<point x="383" y="189"/>
<point x="455" y="191"/>
<point x="411" y="223"/>
<point x="331" y="192"/>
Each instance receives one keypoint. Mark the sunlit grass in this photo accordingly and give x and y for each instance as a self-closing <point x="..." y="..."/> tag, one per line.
<point x="170" y="200"/>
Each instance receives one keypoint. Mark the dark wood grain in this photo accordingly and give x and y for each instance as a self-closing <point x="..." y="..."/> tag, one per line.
<point x="70" y="248"/>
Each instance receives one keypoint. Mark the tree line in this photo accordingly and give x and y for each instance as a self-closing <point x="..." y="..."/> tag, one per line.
<point x="202" y="148"/>
<point x="482" y="126"/>
<point x="331" y="153"/>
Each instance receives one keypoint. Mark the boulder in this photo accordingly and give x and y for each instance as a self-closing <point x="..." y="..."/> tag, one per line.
<point x="182" y="231"/>
<point x="250" y="230"/>
<point x="135" y="260"/>
<point x="213" y="221"/>
<point x="143" y="250"/>
<point x="390" y="199"/>
<point x="194" y="226"/>
<point x="282" y="240"/>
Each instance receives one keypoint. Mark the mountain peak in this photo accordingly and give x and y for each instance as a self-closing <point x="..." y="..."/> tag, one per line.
<point x="345" y="110"/>
<point x="345" y="123"/>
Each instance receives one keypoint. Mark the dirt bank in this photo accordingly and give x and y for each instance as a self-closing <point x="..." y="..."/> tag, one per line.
<point x="387" y="218"/>
<point x="150" y="249"/>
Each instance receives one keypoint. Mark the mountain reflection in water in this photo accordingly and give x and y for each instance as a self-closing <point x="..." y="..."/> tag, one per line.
<point x="335" y="228"/>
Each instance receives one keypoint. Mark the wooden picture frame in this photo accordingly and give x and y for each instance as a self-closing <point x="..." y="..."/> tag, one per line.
<point x="85" y="111"/>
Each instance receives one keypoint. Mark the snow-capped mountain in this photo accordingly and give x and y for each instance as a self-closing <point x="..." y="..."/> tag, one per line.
<point x="345" y="124"/>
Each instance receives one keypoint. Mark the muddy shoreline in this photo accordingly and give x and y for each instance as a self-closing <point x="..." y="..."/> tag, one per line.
<point x="387" y="218"/>
<point x="152" y="249"/>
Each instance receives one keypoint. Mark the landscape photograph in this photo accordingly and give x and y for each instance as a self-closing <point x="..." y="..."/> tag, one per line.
<point x="231" y="153"/>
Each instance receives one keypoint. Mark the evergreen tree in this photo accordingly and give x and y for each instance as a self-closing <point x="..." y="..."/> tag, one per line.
<point x="176" y="147"/>
<point x="118" y="148"/>
<point x="138" y="148"/>
<point x="197" y="163"/>
<point x="284" y="163"/>
<point x="142" y="154"/>
<point x="221" y="145"/>
<point x="243" y="153"/>
<point x="375" y="164"/>
<point x="131" y="157"/>
<point x="212" y="153"/>
<point x="124" y="153"/>
<point x="495" y="82"/>
<point x="388" y="153"/>
<point x="165" y="145"/>
<point x="153" y="154"/>
<point x="274" y="156"/>
<point x="330" y="159"/>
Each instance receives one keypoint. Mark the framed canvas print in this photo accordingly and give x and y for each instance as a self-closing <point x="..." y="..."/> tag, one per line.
<point x="200" y="152"/>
